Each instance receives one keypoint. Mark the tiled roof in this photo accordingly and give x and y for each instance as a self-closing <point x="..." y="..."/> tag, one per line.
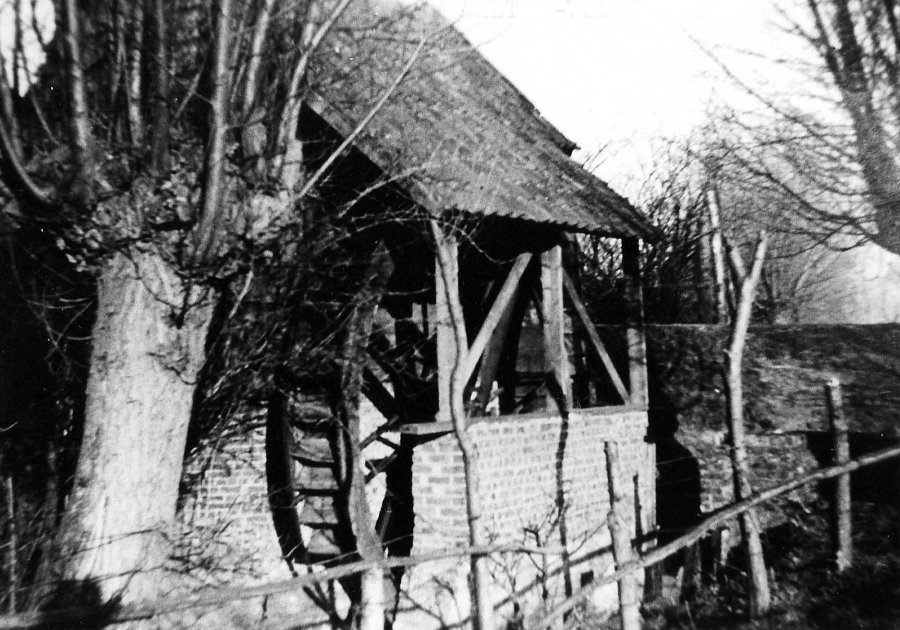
<point x="457" y="133"/>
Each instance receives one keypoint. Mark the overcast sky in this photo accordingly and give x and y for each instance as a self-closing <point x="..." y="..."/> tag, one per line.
<point x="623" y="74"/>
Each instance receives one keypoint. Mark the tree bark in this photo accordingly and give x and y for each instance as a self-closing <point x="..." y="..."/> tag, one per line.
<point x="629" y="594"/>
<point x="371" y="614"/>
<point x="880" y="170"/>
<point x="842" y="523"/>
<point x="147" y="351"/>
<point x="717" y="260"/>
<point x="452" y="349"/>
<point x="12" y="541"/>
<point x="758" y="583"/>
<point x="159" y="109"/>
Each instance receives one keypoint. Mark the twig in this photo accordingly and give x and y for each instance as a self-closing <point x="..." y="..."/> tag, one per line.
<point x="715" y="520"/>
<point x="312" y="181"/>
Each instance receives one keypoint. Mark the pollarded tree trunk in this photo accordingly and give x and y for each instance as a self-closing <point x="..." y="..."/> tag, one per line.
<point x="146" y="353"/>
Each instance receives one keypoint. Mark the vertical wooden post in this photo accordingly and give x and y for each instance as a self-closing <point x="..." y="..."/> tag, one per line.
<point x="452" y="353"/>
<point x="446" y="281"/>
<point x="555" y="326"/>
<point x="841" y="514"/>
<point x="629" y="597"/>
<point x="637" y="344"/>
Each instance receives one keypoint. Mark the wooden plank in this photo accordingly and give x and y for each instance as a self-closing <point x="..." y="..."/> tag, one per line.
<point x="555" y="327"/>
<point x="637" y="343"/>
<point x="426" y="428"/>
<point x="495" y="314"/>
<point x="596" y="343"/>
<point x="505" y="338"/>
<point x="378" y="395"/>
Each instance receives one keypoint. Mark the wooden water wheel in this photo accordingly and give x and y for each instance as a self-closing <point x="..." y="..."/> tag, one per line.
<point x="315" y="442"/>
<point x="308" y="456"/>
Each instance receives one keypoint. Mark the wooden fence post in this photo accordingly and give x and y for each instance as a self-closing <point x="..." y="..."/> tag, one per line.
<point x="629" y="597"/>
<point x="841" y="516"/>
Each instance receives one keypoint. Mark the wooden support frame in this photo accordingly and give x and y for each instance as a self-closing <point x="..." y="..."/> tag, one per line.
<point x="447" y="347"/>
<point x="557" y="357"/>
<point x="555" y="284"/>
<point x="450" y="342"/>
<point x="595" y="341"/>
<point x="498" y="309"/>
<point x="634" y="335"/>
<point x="504" y="335"/>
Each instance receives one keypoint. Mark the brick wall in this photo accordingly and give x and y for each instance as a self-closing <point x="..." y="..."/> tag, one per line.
<point x="227" y="537"/>
<point x="225" y="514"/>
<point x="526" y="464"/>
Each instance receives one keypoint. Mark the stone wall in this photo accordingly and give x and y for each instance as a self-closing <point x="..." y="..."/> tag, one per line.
<point x="785" y="371"/>
<point x="774" y="459"/>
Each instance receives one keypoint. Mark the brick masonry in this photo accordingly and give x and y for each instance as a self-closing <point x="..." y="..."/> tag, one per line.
<point x="227" y="537"/>
<point x="525" y="463"/>
<point x="529" y="466"/>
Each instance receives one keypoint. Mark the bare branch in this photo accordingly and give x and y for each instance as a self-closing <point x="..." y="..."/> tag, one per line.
<point x="79" y="126"/>
<point x="14" y="174"/>
<point x="890" y="8"/>
<point x="288" y="169"/>
<point x="323" y="169"/>
<point x="8" y="111"/>
<point x="253" y="64"/>
<point x="17" y="179"/>
<point x="159" y="110"/>
<point x="133" y="74"/>
<point x="715" y="520"/>
<point x="211" y="210"/>
<point x="18" y="53"/>
<point x="824" y="45"/>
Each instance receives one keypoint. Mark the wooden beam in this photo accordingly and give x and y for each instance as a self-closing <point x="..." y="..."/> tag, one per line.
<point x="378" y="394"/>
<point x="595" y="342"/>
<point x="634" y="300"/>
<point x="498" y="308"/>
<point x="555" y="327"/>
<point x="501" y="348"/>
<point x="450" y="341"/>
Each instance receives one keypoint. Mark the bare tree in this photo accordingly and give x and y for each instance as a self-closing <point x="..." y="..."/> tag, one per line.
<point x="450" y="315"/>
<point x="161" y="246"/>
<point x="746" y="282"/>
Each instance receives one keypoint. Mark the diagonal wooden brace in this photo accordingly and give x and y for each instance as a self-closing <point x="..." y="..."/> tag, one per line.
<point x="596" y="344"/>
<point x="501" y="302"/>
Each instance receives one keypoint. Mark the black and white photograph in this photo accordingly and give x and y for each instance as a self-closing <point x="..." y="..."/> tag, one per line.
<point x="450" y="314"/>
